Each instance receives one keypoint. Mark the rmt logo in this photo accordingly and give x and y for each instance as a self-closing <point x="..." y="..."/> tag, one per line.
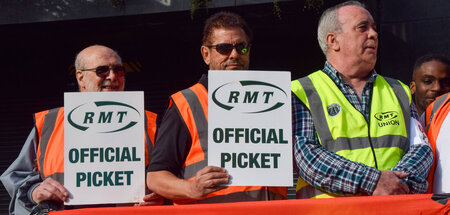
<point x="103" y="117"/>
<point x="249" y="97"/>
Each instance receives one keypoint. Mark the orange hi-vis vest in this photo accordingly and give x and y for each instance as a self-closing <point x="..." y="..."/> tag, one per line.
<point x="192" y="105"/>
<point x="434" y="117"/>
<point x="50" y="146"/>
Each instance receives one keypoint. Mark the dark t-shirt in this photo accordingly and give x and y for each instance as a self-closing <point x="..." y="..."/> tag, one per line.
<point x="173" y="141"/>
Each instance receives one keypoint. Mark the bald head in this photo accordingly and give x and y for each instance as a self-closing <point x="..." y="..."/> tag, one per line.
<point x="93" y="57"/>
<point x="91" y="53"/>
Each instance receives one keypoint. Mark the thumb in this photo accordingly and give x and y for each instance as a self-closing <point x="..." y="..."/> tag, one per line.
<point x="401" y="174"/>
<point x="150" y="197"/>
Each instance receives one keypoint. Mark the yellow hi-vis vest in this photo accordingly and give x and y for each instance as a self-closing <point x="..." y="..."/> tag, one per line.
<point x="380" y="142"/>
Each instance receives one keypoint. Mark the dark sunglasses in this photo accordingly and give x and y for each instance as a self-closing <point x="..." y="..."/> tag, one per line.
<point x="227" y="48"/>
<point x="103" y="71"/>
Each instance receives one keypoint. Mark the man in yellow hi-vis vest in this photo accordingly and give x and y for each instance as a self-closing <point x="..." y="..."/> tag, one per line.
<point x="353" y="130"/>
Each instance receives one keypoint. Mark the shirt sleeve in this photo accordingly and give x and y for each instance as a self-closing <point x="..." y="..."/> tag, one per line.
<point x="172" y="143"/>
<point x="22" y="177"/>
<point x="324" y="169"/>
<point x="418" y="160"/>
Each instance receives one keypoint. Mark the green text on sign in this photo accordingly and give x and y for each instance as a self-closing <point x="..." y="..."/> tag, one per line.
<point x="250" y="160"/>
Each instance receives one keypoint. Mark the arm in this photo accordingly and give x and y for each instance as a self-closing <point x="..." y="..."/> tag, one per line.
<point x="22" y="177"/>
<point x="322" y="168"/>
<point x="417" y="161"/>
<point x="207" y="180"/>
<point x="331" y="172"/>
<point x="171" y="149"/>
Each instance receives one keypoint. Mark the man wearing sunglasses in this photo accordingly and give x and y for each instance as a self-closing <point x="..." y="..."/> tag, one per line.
<point x="34" y="180"/>
<point x="353" y="129"/>
<point x="178" y="169"/>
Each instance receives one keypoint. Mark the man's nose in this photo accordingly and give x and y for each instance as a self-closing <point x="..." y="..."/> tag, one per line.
<point x="373" y="33"/>
<point x="234" y="54"/>
<point x="112" y="75"/>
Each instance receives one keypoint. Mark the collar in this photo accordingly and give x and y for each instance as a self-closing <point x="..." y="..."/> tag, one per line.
<point x="337" y="78"/>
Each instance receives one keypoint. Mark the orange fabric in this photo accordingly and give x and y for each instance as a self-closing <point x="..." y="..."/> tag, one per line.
<point x="39" y="123"/>
<point x="151" y="131"/>
<point x="196" y="153"/>
<point x="54" y="152"/>
<point x="434" y="126"/>
<point x="386" y="205"/>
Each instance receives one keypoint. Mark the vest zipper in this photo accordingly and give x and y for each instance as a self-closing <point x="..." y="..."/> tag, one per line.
<point x="368" y="130"/>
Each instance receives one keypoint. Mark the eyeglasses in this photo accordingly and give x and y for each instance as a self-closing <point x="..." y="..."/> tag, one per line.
<point x="103" y="71"/>
<point x="227" y="48"/>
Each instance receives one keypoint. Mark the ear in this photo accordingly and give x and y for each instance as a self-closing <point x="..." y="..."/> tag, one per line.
<point x="332" y="42"/>
<point x="412" y="87"/>
<point x="80" y="79"/>
<point x="206" y="53"/>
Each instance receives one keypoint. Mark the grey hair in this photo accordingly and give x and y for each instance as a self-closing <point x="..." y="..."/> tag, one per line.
<point x="329" y="23"/>
<point x="79" y="62"/>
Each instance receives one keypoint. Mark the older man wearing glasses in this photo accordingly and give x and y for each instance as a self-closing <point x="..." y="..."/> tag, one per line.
<point x="98" y="69"/>
<point x="178" y="169"/>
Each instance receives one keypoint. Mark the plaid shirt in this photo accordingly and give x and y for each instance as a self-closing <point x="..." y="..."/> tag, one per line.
<point x="335" y="174"/>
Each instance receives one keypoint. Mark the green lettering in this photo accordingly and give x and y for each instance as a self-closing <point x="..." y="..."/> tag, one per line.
<point x="267" y="96"/>
<point x="282" y="140"/>
<point x="128" y="173"/>
<point x="275" y="157"/>
<point x="96" y="182"/>
<point x="108" y="157"/>
<point x="119" y="178"/>
<point x="238" y="135"/>
<point x="218" y="135"/>
<point x="253" y="159"/>
<point x="88" y="116"/>
<point x="134" y="154"/>
<point x="84" y="153"/>
<point x="228" y="134"/>
<point x="272" y="138"/>
<point x="89" y="179"/>
<point x="224" y="157"/>
<point x="105" y="117"/>
<point x="250" y="97"/>
<point x="107" y="179"/>
<point x="94" y="152"/>
<point x="253" y="137"/>
<point x="125" y="154"/>
<point x="241" y="162"/>
<point x="81" y="176"/>
<point x="264" y="160"/>
<point x="121" y="114"/>
<point x="73" y="155"/>
<point x="233" y="97"/>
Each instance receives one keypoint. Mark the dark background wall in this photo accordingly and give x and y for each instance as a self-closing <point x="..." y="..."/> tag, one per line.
<point x="163" y="52"/>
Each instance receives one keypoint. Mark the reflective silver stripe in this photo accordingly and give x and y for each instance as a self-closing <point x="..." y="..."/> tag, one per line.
<point x="344" y="143"/>
<point x="202" y="127"/>
<point x="437" y="104"/>
<point x="403" y="99"/>
<point x="244" y="196"/>
<point x="316" y="109"/>
<point x="59" y="176"/>
<point x="46" y="133"/>
<point x="192" y="169"/>
<point x="308" y="192"/>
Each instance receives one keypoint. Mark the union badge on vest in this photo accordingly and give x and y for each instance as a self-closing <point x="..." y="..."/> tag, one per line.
<point x="334" y="109"/>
